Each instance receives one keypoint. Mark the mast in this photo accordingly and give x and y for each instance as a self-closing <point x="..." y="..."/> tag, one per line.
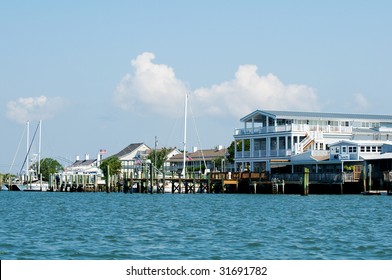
<point x="39" y="147"/>
<point x="27" y="147"/>
<point x="185" y="121"/>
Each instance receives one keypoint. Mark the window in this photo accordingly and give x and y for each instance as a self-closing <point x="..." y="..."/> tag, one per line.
<point x="368" y="149"/>
<point x="344" y="149"/>
<point x="379" y="149"/>
<point x="362" y="149"/>
<point x="374" y="149"/>
<point x="352" y="149"/>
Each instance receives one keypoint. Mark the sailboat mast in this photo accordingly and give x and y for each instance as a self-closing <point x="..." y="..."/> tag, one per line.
<point x="185" y="132"/>
<point x="39" y="147"/>
<point x="27" y="147"/>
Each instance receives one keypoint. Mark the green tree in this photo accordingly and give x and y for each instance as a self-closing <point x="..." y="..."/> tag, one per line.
<point x="230" y="152"/>
<point x="231" y="149"/>
<point x="114" y="165"/>
<point x="159" y="156"/>
<point x="48" y="166"/>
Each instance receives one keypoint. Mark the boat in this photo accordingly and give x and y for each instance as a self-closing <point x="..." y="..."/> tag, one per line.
<point x="31" y="180"/>
<point x="377" y="192"/>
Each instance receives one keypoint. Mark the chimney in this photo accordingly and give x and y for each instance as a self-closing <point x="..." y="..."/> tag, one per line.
<point x="87" y="157"/>
<point x="77" y="158"/>
<point x="194" y="149"/>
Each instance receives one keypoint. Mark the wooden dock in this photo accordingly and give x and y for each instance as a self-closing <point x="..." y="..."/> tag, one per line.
<point x="223" y="182"/>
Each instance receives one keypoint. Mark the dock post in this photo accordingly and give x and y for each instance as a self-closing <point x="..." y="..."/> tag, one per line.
<point x="151" y="179"/>
<point x="131" y="187"/>
<point x="283" y="186"/>
<point x="370" y="177"/>
<point x="108" y="180"/>
<point x="364" y="177"/>
<point x="305" y="183"/>
<point x="164" y="181"/>
<point x="209" y="183"/>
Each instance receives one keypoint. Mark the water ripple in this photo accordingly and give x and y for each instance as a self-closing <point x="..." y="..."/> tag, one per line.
<point x="137" y="226"/>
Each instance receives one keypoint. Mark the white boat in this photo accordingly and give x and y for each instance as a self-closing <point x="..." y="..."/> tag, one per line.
<point x="377" y="192"/>
<point x="32" y="180"/>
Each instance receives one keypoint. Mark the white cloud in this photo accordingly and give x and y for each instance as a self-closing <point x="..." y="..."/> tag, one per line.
<point x="249" y="92"/>
<point x="362" y="104"/>
<point x="33" y="108"/>
<point x="154" y="88"/>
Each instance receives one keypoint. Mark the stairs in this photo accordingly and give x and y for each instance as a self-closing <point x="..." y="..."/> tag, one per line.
<point x="306" y="143"/>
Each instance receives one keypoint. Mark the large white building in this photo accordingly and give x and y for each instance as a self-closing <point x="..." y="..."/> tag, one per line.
<point x="324" y="141"/>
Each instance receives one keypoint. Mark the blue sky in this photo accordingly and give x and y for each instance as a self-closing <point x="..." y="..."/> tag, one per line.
<point x="104" y="74"/>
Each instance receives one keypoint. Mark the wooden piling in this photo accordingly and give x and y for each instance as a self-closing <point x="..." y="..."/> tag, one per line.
<point x="305" y="182"/>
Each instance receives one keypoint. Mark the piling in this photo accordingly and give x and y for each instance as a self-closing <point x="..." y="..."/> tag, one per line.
<point x="305" y="182"/>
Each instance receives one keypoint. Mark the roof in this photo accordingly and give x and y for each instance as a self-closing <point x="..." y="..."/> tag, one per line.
<point x="80" y="163"/>
<point x="314" y="115"/>
<point x="199" y="155"/>
<point x="127" y="150"/>
<point x="361" y="142"/>
<point x="376" y="156"/>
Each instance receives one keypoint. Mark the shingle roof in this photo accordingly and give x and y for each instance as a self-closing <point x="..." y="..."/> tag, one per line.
<point x="127" y="150"/>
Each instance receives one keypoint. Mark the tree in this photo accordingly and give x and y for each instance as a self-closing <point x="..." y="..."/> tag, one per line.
<point x="231" y="150"/>
<point x="114" y="165"/>
<point x="160" y="156"/>
<point x="48" y="166"/>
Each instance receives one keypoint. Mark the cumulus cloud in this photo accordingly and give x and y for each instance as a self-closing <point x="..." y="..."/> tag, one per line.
<point x="155" y="88"/>
<point x="249" y="91"/>
<point x="152" y="86"/>
<point x="33" y="108"/>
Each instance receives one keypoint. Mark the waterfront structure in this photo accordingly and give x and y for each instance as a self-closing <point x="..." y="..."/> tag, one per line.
<point x="84" y="166"/>
<point x="284" y="141"/>
<point x="203" y="159"/>
<point x="167" y="165"/>
<point x="133" y="157"/>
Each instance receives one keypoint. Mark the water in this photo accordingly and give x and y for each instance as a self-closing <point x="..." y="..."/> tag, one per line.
<point x="194" y="226"/>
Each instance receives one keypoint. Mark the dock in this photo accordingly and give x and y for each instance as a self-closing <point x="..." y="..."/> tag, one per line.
<point x="224" y="182"/>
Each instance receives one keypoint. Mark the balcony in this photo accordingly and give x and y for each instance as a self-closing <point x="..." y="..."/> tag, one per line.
<point x="263" y="154"/>
<point x="293" y="127"/>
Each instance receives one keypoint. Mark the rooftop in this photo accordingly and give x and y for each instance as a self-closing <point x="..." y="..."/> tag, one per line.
<point x="259" y="114"/>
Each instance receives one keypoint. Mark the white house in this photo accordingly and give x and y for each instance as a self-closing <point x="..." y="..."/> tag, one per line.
<point x="133" y="157"/>
<point x="273" y="140"/>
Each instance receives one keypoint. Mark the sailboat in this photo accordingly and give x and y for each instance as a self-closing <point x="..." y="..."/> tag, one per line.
<point x="32" y="180"/>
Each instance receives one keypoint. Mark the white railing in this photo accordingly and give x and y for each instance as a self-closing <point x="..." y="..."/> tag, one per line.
<point x="263" y="154"/>
<point x="294" y="127"/>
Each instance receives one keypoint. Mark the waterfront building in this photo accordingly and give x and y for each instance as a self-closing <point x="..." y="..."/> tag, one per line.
<point x="284" y="141"/>
<point x="84" y="166"/>
<point x="201" y="159"/>
<point x="133" y="158"/>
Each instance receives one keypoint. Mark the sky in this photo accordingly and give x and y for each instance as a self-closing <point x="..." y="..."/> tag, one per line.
<point x="105" y="74"/>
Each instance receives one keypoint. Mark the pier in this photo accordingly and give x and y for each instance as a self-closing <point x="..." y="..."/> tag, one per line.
<point x="226" y="182"/>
